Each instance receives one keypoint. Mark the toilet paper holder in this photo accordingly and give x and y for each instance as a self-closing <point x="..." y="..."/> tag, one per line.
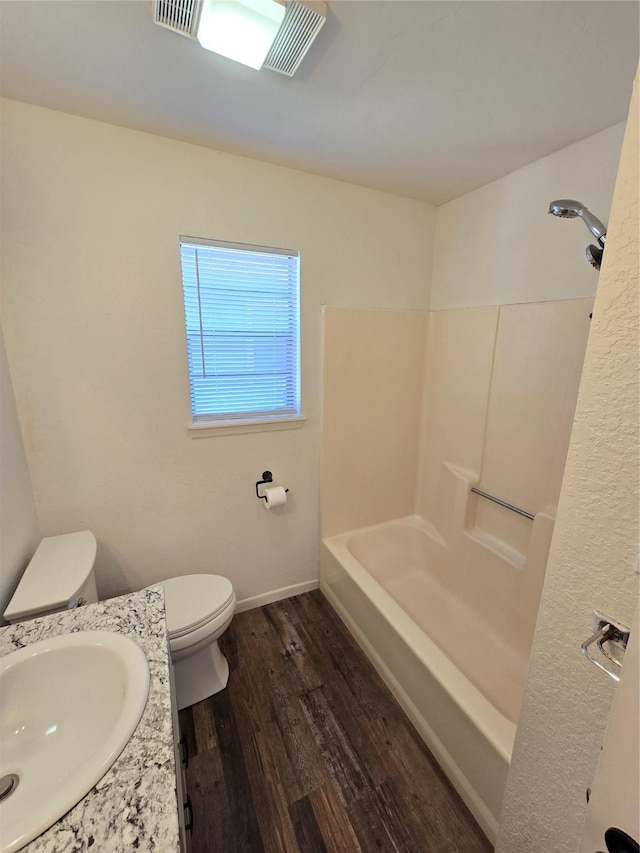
<point x="267" y="477"/>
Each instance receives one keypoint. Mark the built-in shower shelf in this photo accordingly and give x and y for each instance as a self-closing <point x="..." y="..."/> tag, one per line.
<point x="497" y="546"/>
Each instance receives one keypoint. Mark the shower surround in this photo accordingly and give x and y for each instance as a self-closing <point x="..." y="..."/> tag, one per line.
<point x="439" y="585"/>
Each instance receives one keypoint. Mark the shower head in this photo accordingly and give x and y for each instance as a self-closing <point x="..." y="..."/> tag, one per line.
<point x="567" y="208"/>
<point x="594" y="255"/>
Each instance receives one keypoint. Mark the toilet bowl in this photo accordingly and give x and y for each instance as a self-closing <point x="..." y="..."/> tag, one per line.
<point x="199" y="609"/>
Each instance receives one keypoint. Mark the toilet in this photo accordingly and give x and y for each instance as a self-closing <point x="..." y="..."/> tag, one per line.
<point x="199" y="609"/>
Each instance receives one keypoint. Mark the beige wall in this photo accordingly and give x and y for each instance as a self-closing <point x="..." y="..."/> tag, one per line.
<point x="592" y="558"/>
<point x="19" y="531"/>
<point x="94" y="329"/>
<point x="372" y="379"/>
<point x="91" y="216"/>
<point x="498" y="245"/>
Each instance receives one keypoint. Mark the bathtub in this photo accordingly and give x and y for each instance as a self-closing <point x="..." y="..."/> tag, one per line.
<point x="452" y="673"/>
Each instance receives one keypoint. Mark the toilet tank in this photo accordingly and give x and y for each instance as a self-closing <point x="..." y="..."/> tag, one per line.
<point x="60" y="576"/>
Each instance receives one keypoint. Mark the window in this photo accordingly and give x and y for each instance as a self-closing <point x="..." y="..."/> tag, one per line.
<point x="241" y="308"/>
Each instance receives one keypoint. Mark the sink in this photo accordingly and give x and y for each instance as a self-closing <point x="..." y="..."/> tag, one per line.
<point x="68" y="707"/>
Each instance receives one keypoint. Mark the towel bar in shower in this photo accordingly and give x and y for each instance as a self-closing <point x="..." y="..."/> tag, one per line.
<point x="503" y="503"/>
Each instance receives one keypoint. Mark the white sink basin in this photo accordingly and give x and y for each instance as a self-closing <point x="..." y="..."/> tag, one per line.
<point x="68" y="707"/>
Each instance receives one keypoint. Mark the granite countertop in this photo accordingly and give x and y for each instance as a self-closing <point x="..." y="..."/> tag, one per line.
<point x="134" y="806"/>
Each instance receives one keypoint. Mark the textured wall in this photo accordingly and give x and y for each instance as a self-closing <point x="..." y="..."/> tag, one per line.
<point x="567" y="699"/>
<point x="498" y="245"/>
<point x="94" y="326"/>
<point x="19" y="532"/>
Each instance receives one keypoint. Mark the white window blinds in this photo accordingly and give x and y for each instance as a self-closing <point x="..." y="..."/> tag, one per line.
<point x="242" y="316"/>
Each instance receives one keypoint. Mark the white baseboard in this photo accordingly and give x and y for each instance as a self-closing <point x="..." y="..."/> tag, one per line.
<point x="276" y="595"/>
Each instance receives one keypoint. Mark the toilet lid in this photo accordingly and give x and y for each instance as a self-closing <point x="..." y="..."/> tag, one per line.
<point x="193" y="600"/>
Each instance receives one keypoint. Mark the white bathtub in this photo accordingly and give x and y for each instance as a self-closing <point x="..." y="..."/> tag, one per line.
<point x="396" y="595"/>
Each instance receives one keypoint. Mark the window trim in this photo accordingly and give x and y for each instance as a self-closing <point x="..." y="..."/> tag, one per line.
<point x="202" y="426"/>
<point x="206" y="429"/>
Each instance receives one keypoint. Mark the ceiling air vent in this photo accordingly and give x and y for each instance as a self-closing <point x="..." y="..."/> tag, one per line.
<point x="181" y="16"/>
<point x="302" y="23"/>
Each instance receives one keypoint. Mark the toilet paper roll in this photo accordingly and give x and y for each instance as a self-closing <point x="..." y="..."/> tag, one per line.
<point x="275" y="496"/>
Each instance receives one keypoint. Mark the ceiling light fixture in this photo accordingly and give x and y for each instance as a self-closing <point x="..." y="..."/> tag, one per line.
<point x="242" y="30"/>
<point x="273" y="34"/>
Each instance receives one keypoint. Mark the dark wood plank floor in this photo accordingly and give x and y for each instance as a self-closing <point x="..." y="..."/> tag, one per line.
<point x="306" y="751"/>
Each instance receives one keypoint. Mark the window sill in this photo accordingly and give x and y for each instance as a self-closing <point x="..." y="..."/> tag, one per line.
<point x="205" y="429"/>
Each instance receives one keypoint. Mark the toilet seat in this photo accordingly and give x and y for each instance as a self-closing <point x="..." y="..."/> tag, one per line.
<point x="204" y="635"/>
<point x="193" y="602"/>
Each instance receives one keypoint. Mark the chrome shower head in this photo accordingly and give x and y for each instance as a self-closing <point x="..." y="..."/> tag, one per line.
<point x="568" y="208"/>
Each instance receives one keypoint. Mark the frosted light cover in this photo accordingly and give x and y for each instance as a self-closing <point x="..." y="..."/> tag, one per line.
<point x="242" y="30"/>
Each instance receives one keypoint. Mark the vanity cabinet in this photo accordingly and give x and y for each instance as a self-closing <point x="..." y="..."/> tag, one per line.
<point x="185" y="814"/>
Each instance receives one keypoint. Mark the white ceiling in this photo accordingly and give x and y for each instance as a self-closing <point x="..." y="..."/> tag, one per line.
<point x="424" y="99"/>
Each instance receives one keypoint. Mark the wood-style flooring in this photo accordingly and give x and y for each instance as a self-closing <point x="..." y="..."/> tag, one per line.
<point x="307" y="751"/>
